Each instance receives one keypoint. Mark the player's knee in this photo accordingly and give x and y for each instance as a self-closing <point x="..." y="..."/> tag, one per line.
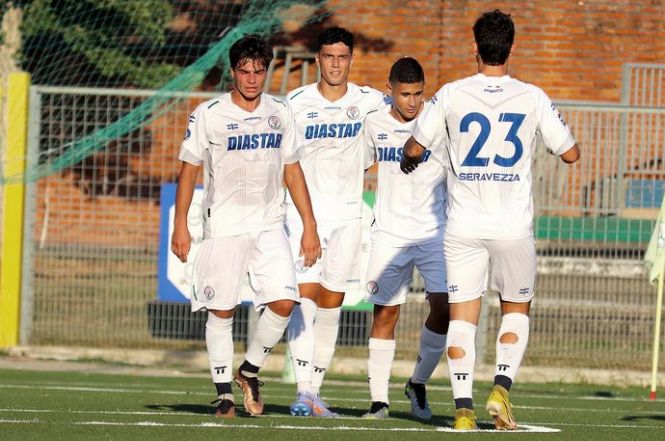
<point x="222" y="313"/>
<point x="282" y="307"/>
<point x="509" y="338"/>
<point x="455" y="353"/>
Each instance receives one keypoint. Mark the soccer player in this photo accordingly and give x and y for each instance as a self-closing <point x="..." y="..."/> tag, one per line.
<point x="493" y="121"/>
<point x="329" y="116"/>
<point x="245" y="142"/>
<point x="407" y="232"/>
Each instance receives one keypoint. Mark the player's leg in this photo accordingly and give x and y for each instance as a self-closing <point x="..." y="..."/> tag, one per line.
<point x="300" y="333"/>
<point x="389" y="275"/>
<point x="273" y="280"/>
<point x="339" y="272"/>
<point x="466" y="266"/>
<point x="216" y="291"/>
<point x="513" y="275"/>
<point x="430" y="264"/>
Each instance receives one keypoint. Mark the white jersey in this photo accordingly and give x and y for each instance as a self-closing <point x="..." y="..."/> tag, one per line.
<point x="243" y="155"/>
<point x="409" y="209"/>
<point x="329" y="142"/>
<point x="492" y="123"/>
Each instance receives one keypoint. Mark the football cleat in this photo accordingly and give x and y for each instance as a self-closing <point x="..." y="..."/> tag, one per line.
<point x="498" y="405"/>
<point x="250" y="391"/>
<point x="465" y="419"/>
<point x="417" y="394"/>
<point x="377" y="411"/>
<point x="320" y="408"/>
<point x="225" y="408"/>
<point x="302" y="406"/>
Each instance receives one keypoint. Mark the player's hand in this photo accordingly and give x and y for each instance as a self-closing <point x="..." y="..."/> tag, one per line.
<point x="408" y="165"/>
<point x="310" y="246"/>
<point x="181" y="242"/>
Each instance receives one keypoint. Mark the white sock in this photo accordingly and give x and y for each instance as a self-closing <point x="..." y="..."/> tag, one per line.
<point x="381" y="354"/>
<point x="219" y="341"/>
<point x="432" y="346"/>
<point x="509" y="355"/>
<point x="301" y="343"/>
<point x="462" y="335"/>
<point x="326" y="328"/>
<point x="269" y="330"/>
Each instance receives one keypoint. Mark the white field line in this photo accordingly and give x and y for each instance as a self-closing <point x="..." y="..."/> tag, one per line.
<point x="331" y="397"/>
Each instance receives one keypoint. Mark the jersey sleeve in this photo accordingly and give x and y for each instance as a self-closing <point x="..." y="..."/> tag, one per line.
<point x="369" y="149"/>
<point x="289" y="150"/>
<point x="431" y="123"/>
<point x="552" y="127"/>
<point x="195" y="143"/>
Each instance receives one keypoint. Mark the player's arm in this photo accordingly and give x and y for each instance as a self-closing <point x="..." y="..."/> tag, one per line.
<point x="571" y="155"/>
<point x="294" y="179"/>
<point x="412" y="155"/>
<point x="181" y="240"/>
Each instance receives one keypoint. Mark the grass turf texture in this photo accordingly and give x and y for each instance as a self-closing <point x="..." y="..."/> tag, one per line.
<point x="77" y="406"/>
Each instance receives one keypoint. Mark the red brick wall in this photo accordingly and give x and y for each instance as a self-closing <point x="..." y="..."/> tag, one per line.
<point x="572" y="49"/>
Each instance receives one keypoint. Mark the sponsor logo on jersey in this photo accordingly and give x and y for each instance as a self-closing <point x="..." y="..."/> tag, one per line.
<point x="232" y="126"/>
<point x="498" y="177"/>
<point x="274" y="122"/>
<point x="382" y="136"/>
<point x="395" y="154"/>
<point x="209" y="292"/>
<point x="312" y="115"/>
<point x="255" y="141"/>
<point x="353" y="112"/>
<point x="372" y="287"/>
<point x="344" y="130"/>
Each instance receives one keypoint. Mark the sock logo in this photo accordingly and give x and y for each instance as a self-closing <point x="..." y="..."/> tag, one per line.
<point x="302" y="362"/>
<point x="267" y="350"/>
<point x="319" y="370"/>
<point x="219" y="369"/>
<point x="461" y="375"/>
<point x="503" y="367"/>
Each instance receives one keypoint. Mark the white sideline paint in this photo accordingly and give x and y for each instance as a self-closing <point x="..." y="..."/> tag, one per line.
<point x="521" y="428"/>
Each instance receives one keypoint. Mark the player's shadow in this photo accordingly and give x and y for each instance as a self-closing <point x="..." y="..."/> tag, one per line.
<point x="643" y="417"/>
<point x="202" y="409"/>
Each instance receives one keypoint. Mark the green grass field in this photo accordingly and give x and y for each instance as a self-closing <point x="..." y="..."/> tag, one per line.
<point x="91" y="406"/>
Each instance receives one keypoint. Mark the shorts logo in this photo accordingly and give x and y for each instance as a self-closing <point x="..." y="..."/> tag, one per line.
<point x="353" y="112"/>
<point x="372" y="287"/>
<point x="274" y="122"/>
<point x="291" y="289"/>
<point x="209" y="292"/>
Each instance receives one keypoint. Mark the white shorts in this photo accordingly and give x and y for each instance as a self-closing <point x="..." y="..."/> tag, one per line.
<point x="338" y="267"/>
<point x="222" y="264"/>
<point x="510" y="262"/>
<point x="390" y="271"/>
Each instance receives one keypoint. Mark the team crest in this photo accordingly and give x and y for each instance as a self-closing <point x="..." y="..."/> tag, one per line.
<point x="274" y="122"/>
<point x="353" y="112"/>
<point x="209" y="292"/>
<point x="372" y="287"/>
<point x="300" y="266"/>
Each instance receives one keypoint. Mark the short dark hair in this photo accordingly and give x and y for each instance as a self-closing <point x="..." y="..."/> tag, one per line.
<point x="335" y="35"/>
<point x="250" y="47"/>
<point x="406" y="70"/>
<point x="494" y="33"/>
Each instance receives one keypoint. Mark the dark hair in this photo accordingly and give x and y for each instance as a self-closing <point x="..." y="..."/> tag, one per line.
<point x="250" y="47"/>
<point x="335" y="35"/>
<point x="406" y="70"/>
<point x="494" y="33"/>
